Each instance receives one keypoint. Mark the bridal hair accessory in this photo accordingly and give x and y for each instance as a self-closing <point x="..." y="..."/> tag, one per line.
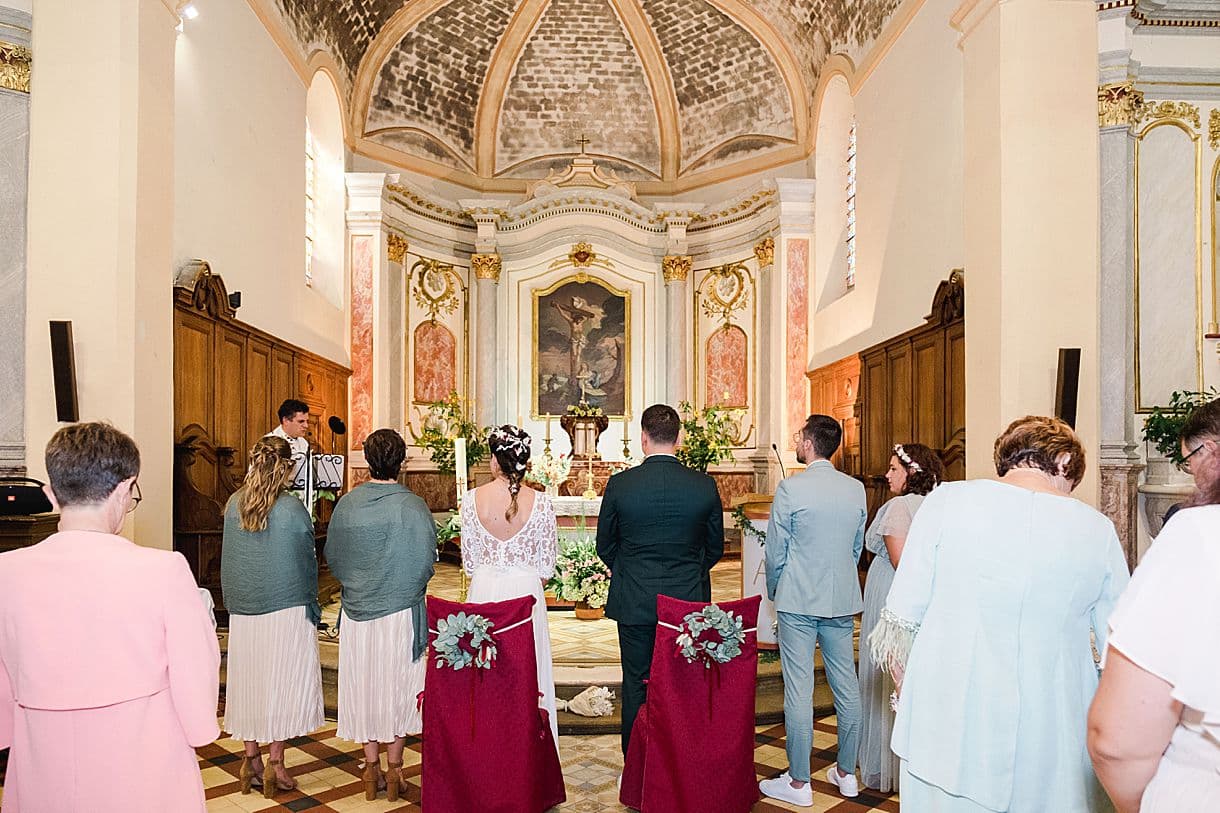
<point x="906" y="458"/>
<point x="513" y="440"/>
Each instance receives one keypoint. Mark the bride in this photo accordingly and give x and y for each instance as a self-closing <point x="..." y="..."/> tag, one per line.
<point x="509" y="545"/>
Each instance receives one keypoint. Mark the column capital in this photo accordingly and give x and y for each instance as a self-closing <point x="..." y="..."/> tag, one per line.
<point x="486" y="266"/>
<point x="15" y="61"/>
<point x="1119" y="104"/>
<point x="396" y="247"/>
<point x="764" y="251"/>
<point x="676" y="267"/>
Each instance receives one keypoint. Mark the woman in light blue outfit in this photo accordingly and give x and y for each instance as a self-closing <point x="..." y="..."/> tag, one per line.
<point x="986" y="631"/>
<point x="914" y="471"/>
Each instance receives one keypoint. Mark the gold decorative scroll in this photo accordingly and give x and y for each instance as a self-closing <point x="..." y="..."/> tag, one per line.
<point x="1119" y="105"/>
<point x="15" y="61"/>
<point x="436" y="287"/>
<point x="396" y="246"/>
<point x="582" y="256"/>
<point x="1213" y="129"/>
<point x="764" y="251"/>
<point x="725" y="290"/>
<point x="676" y="267"/>
<point x="486" y="266"/>
<point x="1184" y="112"/>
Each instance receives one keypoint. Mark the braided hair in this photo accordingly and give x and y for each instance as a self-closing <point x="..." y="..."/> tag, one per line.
<point x="270" y="465"/>
<point x="511" y="447"/>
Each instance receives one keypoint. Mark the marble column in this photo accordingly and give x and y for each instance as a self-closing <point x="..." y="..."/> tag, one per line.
<point x="676" y="268"/>
<point x="1119" y="107"/>
<point x="15" y="62"/>
<point x="1031" y="219"/>
<point x="101" y="228"/>
<point x="486" y="269"/>
<point x="766" y="467"/>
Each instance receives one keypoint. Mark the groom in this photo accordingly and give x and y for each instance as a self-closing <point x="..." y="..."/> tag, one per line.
<point x="660" y="530"/>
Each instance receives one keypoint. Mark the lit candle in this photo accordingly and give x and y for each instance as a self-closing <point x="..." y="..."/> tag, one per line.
<point x="459" y="466"/>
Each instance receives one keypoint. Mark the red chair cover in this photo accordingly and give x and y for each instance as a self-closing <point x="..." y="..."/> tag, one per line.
<point x="692" y="746"/>
<point x="487" y="745"/>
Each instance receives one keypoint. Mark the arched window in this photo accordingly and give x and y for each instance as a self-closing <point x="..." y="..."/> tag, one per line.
<point x="325" y="195"/>
<point x="851" y="205"/>
<point x="310" y="196"/>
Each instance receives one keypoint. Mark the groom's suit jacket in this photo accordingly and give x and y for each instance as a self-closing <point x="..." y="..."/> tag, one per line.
<point x="660" y="530"/>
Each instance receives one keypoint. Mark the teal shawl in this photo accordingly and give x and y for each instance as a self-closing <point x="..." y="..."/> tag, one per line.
<point x="381" y="546"/>
<point x="272" y="569"/>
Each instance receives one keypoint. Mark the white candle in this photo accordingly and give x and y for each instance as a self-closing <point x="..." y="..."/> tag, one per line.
<point x="548" y="427"/>
<point x="459" y="466"/>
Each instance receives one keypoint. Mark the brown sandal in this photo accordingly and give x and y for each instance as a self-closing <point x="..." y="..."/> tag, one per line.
<point x="373" y="780"/>
<point x="395" y="785"/>
<point x="272" y="783"/>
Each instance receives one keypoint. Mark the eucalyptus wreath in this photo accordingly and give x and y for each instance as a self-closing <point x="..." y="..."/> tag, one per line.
<point x="462" y="640"/>
<point x="719" y="648"/>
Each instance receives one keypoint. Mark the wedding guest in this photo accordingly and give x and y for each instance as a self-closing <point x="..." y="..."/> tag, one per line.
<point x="914" y="471"/>
<point x="269" y="578"/>
<point x="109" y="667"/>
<point x="381" y="546"/>
<point x="1154" y="728"/>
<point x="817" y="533"/>
<point x="987" y="633"/>
<point x="510" y="541"/>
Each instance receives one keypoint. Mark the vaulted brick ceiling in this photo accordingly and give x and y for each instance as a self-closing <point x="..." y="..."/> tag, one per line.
<point x="663" y="90"/>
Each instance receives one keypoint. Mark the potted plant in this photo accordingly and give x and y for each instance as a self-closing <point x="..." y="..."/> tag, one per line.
<point x="708" y="436"/>
<point x="582" y="577"/>
<point x="446" y="422"/>
<point x="1164" y="483"/>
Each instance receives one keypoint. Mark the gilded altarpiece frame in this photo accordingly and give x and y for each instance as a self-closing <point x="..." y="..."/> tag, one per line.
<point x="726" y="319"/>
<point x="581" y="347"/>
<point x="437" y="298"/>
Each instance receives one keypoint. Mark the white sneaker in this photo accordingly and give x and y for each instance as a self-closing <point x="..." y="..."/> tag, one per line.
<point x="781" y="788"/>
<point x="847" y="785"/>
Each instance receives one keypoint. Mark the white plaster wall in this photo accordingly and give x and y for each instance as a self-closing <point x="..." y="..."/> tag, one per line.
<point x="239" y="172"/>
<point x="909" y="190"/>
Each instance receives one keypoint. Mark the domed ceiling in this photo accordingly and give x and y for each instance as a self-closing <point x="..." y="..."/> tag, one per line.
<point x="495" y="92"/>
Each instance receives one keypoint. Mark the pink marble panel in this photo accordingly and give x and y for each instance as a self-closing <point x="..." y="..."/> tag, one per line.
<point x="434" y="362"/>
<point x="362" y="340"/>
<point x="797" y="332"/>
<point x="727" y="368"/>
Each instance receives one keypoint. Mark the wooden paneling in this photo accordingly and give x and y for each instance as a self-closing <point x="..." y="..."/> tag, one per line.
<point x="229" y="380"/>
<point x="833" y="391"/>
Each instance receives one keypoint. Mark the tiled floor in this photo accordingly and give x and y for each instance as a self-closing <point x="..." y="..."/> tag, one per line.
<point x="328" y="771"/>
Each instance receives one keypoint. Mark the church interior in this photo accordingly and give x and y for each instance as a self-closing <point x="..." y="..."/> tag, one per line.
<point x="440" y="216"/>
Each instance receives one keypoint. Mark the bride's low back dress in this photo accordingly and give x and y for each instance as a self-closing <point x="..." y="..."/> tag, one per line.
<point x="500" y="569"/>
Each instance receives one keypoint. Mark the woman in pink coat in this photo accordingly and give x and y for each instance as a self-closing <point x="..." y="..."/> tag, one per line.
<point x="108" y="658"/>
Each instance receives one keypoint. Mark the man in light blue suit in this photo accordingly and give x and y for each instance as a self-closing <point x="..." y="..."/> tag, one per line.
<point x="813" y="545"/>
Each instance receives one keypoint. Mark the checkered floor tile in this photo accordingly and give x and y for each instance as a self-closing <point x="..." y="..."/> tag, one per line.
<point x="328" y="771"/>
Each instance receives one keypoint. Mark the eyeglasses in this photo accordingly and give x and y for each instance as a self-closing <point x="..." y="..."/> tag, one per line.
<point x="136" y="496"/>
<point x="1185" y="464"/>
<point x="798" y="437"/>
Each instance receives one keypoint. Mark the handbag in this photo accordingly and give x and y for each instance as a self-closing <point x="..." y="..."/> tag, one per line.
<point x="22" y="495"/>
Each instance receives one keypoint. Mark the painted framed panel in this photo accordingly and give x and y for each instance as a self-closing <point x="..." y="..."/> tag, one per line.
<point x="581" y="347"/>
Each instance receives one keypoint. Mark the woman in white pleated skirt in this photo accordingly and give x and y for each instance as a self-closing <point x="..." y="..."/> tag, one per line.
<point x="269" y="578"/>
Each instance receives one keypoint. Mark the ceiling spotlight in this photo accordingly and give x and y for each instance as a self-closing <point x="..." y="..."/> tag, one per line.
<point x="189" y="11"/>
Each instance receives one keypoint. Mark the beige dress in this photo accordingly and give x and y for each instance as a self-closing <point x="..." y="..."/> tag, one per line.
<point x="1168" y="623"/>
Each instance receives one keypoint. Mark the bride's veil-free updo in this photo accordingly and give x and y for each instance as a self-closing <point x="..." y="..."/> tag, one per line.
<point x="511" y="447"/>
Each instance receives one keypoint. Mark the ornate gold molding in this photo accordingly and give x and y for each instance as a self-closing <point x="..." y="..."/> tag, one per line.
<point x="676" y="267"/>
<point x="1119" y="105"/>
<point x="396" y="246"/>
<point x="15" y="62"/>
<point x="486" y="266"/>
<point x="764" y="250"/>
<point x="1213" y="129"/>
<point x="1184" y="112"/>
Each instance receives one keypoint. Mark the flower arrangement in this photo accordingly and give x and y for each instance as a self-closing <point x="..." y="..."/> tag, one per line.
<point x="548" y="470"/>
<point x="462" y="640"/>
<point x="580" y="575"/>
<point x="1163" y="426"/>
<point x="584" y="410"/>
<point x="448" y="530"/>
<point x="708" y="436"/>
<point x="446" y="421"/>
<point x="720" y="646"/>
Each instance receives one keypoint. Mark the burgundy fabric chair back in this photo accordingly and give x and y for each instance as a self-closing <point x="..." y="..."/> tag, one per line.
<point x="692" y="747"/>
<point x="487" y="745"/>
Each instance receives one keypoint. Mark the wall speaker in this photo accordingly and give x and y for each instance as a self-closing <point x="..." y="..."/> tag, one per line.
<point x="1067" y="385"/>
<point x="63" y="372"/>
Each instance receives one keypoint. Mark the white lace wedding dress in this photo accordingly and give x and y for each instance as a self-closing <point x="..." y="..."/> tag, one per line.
<point x="500" y="569"/>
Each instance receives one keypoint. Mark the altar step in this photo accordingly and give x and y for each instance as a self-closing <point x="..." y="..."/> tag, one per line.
<point x="571" y="680"/>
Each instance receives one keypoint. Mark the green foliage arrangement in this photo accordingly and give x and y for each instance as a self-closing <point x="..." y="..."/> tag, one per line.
<point x="711" y="635"/>
<point x="747" y="528"/>
<point x="707" y="436"/>
<point x="580" y="575"/>
<point x="447" y="421"/>
<point x="448" y="530"/>
<point x="1163" y="426"/>
<point x="464" y="640"/>
<point x="583" y="410"/>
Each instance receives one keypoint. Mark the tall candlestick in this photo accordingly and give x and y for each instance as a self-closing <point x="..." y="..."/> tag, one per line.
<point x="519" y="424"/>
<point x="459" y="466"/>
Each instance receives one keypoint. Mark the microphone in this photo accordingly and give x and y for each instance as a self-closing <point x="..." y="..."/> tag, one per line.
<point x="782" y="471"/>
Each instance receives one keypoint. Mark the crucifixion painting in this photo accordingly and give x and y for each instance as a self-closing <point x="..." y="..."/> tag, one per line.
<point x="581" y="343"/>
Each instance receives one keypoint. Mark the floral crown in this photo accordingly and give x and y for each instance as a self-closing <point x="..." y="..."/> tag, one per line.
<point x="514" y="441"/>
<point x="902" y="455"/>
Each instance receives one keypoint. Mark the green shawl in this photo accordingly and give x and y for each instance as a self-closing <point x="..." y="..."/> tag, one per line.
<point x="381" y="546"/>
<point x="272" y="569"/>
